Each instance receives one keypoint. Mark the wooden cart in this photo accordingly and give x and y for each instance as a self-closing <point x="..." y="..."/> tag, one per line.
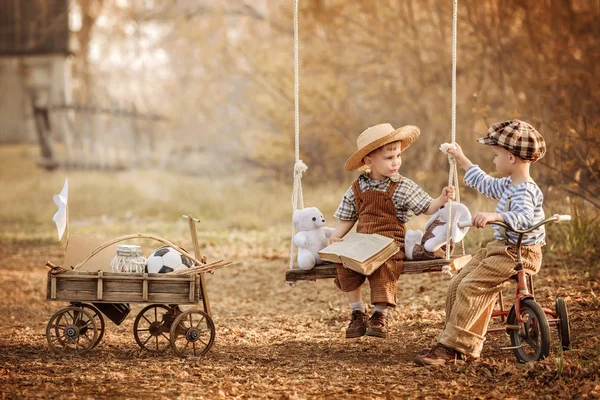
<point x="78" y="328"/>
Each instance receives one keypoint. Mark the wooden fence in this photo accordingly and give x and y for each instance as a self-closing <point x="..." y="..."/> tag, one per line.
<point x="91" y="137"/>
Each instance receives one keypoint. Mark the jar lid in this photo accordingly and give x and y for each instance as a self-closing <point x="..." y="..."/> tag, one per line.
<point x="129" y="250"/>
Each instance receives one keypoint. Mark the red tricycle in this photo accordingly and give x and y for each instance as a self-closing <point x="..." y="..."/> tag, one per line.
<point x="527" y="323"/>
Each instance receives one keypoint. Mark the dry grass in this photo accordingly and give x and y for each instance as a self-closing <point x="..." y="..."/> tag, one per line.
<point x="273" y="341"/>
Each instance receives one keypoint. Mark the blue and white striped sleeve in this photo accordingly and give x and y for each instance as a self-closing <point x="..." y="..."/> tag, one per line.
<point x="522" y="207"/>
<point x="488" y="186"/>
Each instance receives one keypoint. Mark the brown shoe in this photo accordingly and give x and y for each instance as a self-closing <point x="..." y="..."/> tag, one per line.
<point x="439" y="355"/>
<point x="424" y="351"/>
<point x="377" y="325"/>
<point x="357" y="326"/>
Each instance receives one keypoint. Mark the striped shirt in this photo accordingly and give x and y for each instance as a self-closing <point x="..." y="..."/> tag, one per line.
<point x="525" y="207"/>
<point x="408" y="198"/>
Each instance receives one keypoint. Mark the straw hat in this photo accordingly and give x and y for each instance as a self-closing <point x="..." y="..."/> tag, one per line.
<point x="377" y="136"/>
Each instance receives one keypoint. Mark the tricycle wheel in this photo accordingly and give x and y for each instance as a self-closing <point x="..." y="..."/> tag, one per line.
<point x="531" y="341"/>
<point x="97" y="316"/>
<point x="72" y="330"/>
<point x="151" y="327"/>
<point x="192" y="334"/>
<point x="564" y="328"/>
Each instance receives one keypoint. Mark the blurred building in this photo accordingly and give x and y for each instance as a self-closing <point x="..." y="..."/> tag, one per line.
<point x="34" y="62"/>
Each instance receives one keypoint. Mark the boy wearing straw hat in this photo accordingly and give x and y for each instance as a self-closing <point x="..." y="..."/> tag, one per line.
<point x="472" y="292"/>
<point x="382" y="202"/>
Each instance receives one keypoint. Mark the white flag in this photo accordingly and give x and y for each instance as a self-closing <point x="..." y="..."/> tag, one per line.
<point x="60" y="218"/>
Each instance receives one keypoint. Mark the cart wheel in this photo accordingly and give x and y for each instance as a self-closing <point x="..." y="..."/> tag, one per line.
<point x="151" y="327"/>
<point x="564" y="328"/>
<point x="97" y="316"/>
<point x="72" y="330"/>
<point x="192" y="333"/>
<point x="532" y="339"/>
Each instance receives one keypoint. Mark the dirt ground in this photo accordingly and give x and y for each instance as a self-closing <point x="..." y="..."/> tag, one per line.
<point x="277" y="341"/>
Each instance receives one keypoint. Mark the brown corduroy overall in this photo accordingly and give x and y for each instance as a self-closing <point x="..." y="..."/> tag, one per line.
<point x="377" y="214"/>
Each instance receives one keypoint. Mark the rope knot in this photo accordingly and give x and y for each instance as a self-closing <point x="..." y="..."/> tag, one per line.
<point x="447" y="270"/>
<point x="299" y="168"/>
<point x="445" y="146"/>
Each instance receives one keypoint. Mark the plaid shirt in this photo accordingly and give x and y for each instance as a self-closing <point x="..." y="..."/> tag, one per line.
<point x="409" y="198"/>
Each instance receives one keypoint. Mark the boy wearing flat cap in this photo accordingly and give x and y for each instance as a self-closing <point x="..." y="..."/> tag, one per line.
<point x="472" y="292"/>
<point x="382" y="202"/>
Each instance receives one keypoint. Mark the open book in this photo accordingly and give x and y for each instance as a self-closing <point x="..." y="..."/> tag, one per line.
<point x="361" y="252"/>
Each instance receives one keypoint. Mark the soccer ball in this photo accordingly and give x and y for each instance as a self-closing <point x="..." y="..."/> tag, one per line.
<point x="167" y="259"/>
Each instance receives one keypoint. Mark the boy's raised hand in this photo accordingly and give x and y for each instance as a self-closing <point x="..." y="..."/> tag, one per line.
<point x="460" y="157"/>
<point x="448" y="194"/>
<point x="457" y="151"/>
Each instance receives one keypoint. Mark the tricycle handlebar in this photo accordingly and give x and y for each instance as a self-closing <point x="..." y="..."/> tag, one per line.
<point x="554" y="218"/>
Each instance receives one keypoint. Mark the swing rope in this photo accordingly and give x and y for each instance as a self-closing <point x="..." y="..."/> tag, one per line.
<point x="453" y="173"/>
<point x="299" y="166"/>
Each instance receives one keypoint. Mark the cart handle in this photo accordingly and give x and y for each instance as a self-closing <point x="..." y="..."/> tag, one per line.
<point x="137" y="236"/>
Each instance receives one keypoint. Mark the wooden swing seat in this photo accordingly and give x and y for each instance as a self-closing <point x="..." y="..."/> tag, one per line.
<point x="329" y="270"/>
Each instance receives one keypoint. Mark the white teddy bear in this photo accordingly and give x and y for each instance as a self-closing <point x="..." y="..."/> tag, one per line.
<point x="428" y="245"/>
<point x="312" y="236"/>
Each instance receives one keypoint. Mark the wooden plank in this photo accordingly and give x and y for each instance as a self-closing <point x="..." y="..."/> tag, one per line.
<point x="203" y="292"/>
<point x="325" y="271"/>
<point x="145" y="288"/>
<point x="123" y="288"/>
<point x="85" y="275"/>
<point x="329" y="270"/>
<point x="124" y="297"/>
<point x="52" y="287"/>
<point x="99" y="293"/>
<point x="459" y="262"/>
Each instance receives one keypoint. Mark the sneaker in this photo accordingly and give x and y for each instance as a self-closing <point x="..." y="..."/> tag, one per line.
<point x="439" y="355"/>
<point x="377" y="325"/>
<point x="357" y="326"/>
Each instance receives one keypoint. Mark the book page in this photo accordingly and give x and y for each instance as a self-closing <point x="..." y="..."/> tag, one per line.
<point x="358" y="246"/>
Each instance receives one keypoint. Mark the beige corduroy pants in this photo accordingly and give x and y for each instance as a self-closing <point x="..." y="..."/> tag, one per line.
<point x="473" y="291"/>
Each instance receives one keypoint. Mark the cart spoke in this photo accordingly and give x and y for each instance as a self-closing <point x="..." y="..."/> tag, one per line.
<point x="199" y="322"/>
<point x="150" y="322"/>
<point x="86" y="324"/>
<point x="147" y="340"/>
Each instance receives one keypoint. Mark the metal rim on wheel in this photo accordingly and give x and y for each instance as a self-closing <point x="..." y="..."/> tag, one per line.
<point x="531" y="342"/>
<point x="72" y="330"/>
<point x="564" y="328"/>
<point x="151" y="327"/>
<point x="192" y="334"/>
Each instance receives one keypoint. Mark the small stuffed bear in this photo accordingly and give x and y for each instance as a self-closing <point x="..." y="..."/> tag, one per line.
<point x="431" y="244"/>
<point x="312" y="236"/>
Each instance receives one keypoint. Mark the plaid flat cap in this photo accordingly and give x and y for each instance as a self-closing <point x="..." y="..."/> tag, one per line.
<point x="518" y="137"/>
